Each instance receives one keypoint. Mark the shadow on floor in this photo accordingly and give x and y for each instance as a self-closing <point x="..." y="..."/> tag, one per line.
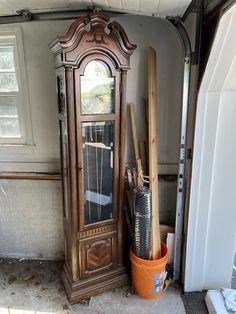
<point x="194" y="302"/>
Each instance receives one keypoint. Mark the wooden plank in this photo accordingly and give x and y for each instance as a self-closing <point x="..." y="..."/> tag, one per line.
<point x="29" y="176"/>
<point x="145" y="118"/>
<point x="134" y="130"/>
<point x="135" y="140"/>
<point x="139" y="168"/>
<point x="143" y="156"/>
<point x="129" y="175"/>
<point x="163" y="169"/>
<point x="153" y="154"/>
<point x="145" y="121"/>
<point x="135" y="176"/>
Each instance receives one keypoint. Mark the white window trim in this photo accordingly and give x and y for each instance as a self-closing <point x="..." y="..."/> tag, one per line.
<point x="24" y="107"/>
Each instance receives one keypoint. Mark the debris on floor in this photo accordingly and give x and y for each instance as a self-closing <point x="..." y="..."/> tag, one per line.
<point x="30" y="287"/>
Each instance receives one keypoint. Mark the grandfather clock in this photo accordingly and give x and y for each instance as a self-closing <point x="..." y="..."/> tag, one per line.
<point x="91" y="63"/>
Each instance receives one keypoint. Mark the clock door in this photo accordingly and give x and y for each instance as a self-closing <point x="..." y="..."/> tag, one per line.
<point x="97" y="105"/>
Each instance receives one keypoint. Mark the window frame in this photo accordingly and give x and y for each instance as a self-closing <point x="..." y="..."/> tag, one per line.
<point x="12" y="36"/>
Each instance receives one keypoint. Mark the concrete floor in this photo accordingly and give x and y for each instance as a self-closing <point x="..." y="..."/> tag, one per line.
<point x="194" y="303"/>
<point x="34" y="287"/>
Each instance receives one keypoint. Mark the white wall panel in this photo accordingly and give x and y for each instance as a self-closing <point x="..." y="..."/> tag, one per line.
<point x="168" y="7"/>
<point x="78" y="4"/>
<point x="182" y="7"/>
<point x="101" y="3"/>
<point x="86" y="2"/>
<point x="150" y="7"/>
<point x="131" y="5"/>
<point x="230" y="81"/>
<point x="116" y="4"/>
<point x="212" y="228"/>
<point x="222" y="221"/>
<point x="37" y="5"/>
<point x="6" y="8"/>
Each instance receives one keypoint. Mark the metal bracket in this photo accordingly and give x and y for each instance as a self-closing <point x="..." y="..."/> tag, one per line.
<point x="190" y="58"/>
<point x="25" y="13"/>
<point x="195" y="7"/>
<point x="23" y="16"/>
<point x="180" y="200"/>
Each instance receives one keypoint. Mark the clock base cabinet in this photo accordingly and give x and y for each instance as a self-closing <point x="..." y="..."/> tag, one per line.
<point x="91" y="63"/>
<point x="99" y="283"/>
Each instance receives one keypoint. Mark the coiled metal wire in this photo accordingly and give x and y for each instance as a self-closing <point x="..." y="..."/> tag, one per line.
<point x="142" y="222"/>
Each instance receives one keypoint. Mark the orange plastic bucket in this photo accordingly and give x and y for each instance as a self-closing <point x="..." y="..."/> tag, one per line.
<point x="148" y="276"/>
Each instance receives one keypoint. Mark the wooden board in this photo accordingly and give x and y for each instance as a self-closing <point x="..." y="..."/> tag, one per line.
<point x="153" y="154"/>
<point x="145" y="118"/>
<point x="139" y="167"/>
<point x="134" y="130"/>
<point x="135" y="140"/>
<point x="29" y="176"/>
<point x="145" y="127"/>
<point x="143" y="156"/>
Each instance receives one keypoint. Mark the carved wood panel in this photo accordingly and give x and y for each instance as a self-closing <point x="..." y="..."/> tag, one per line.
<point x="98" y="254"/>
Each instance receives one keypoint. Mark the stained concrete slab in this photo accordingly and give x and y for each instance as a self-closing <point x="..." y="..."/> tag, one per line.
<point x="194" y="302"/>
<point x="35" y="287"/>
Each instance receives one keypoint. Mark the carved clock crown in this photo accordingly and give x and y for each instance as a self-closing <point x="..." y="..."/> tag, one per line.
<point x="95" y="32"/>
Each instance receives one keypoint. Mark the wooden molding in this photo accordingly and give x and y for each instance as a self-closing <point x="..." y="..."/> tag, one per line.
<point x="29" y="176"/>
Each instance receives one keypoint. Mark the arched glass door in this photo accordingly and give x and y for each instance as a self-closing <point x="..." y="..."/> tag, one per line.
<point x="98" y="128"/>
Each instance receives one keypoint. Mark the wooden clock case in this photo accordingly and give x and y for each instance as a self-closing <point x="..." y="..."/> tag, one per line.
<point x="93" y="231"/>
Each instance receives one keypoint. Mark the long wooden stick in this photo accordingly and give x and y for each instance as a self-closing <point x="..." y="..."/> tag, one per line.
<point x="134" y="130"/>
<point x="135" y="139"/>
<point x="143" y="156"/>
<point x="139" y="167"/>
<point x="145" y="120"/>
<point x="153" y="152"/>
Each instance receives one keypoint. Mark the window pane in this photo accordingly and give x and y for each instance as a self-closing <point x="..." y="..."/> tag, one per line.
<point x="9" y="127"/>
<point x="6" y="58"/>
<point x="97" y="89"/>
<point x="8" y="106"/>
<point x="8" y="82"/>
<point x="98" y="140"/>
